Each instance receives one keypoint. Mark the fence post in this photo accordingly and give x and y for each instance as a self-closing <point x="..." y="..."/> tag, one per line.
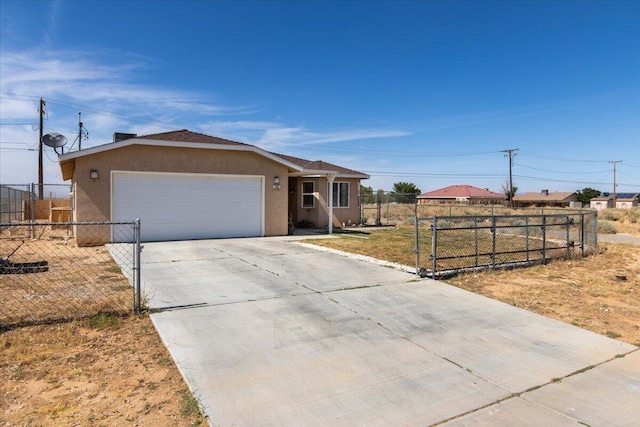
<point x="581" y="233"/>
<point x="378" y="206"/>
<point x="417" y="236"/>
<point x="568" y="237"/>
<point x="32" y="211"/>
<point x="526" y="242"/>
<point x="475" y="237"/>
<point x="136" y="268"/>
<point x="493" y="242"/>
<point x="544" y="239"/>
<point x="434" y="246"/>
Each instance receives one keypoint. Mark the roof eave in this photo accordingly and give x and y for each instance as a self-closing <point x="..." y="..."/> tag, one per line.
<point x="177" y="144"/>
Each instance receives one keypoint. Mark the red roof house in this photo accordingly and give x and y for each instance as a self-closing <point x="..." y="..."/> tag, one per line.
<point x="462" y="194"/>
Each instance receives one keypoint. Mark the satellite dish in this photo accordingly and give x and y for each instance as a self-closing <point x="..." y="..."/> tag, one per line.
<point x="54" y="140"/>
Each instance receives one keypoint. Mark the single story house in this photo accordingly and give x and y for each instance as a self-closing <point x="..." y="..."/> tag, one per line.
<point x="601" y="202"/>
<point x="186" y="185"/>
<point x="626" y="200"/>
<point x="622" y="201"/>
<point x="545" y="198"/>
<point x="462" y="194"/>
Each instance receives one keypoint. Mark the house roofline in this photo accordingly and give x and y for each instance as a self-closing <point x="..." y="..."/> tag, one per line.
<point x="177" y="144"/>
<point x="319" y="173"/>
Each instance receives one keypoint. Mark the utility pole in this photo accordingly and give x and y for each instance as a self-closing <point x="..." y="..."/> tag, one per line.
<point x="40" y="131"/>
<point x="615" y="162"/>
<point x="510" y="154"/>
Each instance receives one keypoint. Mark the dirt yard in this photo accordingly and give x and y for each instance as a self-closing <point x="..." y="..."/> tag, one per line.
<point x="103" y="371"/>
<point x="111" y="370"/>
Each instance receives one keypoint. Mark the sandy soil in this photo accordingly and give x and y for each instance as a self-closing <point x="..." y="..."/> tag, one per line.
<point x="106" y="371"/>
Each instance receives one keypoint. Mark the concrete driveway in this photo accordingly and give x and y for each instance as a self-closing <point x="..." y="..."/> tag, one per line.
<point x="268" y="332"/>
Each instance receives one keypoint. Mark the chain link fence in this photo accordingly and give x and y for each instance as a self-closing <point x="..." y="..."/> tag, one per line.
<point x="387" y="208"/>
<point x="46" y="277"/>
<point x="459" y="243"/>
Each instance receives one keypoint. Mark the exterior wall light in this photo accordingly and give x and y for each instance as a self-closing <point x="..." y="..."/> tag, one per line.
<point x="93" y="174"/>
<point x="276" y="183"/>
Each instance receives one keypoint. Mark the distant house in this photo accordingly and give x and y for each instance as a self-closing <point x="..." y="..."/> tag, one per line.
<point x="462" y="194"/>
<point x="600" y="203"/>
<point x="546" y="198"/>
<point x="623" y="201"/>
<point x="626" y="200"/>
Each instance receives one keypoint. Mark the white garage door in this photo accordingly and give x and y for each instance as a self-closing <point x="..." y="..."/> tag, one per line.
<point x="189" y="206"/>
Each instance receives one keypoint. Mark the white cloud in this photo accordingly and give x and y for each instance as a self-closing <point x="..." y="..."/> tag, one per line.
<point x="104" y="88"/>
<point x="296" y="136"/>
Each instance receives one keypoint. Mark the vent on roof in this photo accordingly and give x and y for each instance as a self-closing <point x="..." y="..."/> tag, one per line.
<point x="545" y="192"/>
<point x="119" y="136"/>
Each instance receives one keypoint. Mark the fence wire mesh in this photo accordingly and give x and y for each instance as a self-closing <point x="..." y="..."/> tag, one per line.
<point x="386" y="208"/>
<point x="458" y="243"/>
<point x="45" y="276"/>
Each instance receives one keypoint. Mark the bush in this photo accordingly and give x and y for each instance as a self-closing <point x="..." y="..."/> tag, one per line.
<point x="605" y="227"/>
<point x="612" y="214"/>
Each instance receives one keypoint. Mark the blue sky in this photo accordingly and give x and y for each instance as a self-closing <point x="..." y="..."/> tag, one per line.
<point x="426" y="92"/>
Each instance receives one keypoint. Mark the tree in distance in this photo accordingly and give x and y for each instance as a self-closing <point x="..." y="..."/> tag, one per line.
<point x="405" y="192"/>
<point x="586" y="194"/>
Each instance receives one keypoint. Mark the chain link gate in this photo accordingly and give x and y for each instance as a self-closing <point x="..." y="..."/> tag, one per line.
<point x="466" y="243"/>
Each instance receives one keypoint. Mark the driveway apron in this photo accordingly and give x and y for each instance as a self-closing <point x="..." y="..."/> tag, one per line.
<point x="267" y="332"/>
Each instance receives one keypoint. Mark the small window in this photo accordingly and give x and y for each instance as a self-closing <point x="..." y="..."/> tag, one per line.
<point x="308" y="194"/>
<point x="341" y="194"/>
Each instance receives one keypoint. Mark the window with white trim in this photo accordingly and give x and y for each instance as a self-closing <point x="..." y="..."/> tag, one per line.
<point x="340" y="194"/>
<point x="308" y="194"/>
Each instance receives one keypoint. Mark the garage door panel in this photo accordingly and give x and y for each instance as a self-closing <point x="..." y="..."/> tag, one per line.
<point x="182" y="207"/>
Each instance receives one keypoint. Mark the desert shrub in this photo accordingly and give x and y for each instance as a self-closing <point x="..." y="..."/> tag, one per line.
<point x="605" y="227"/>
<point x="611" y="214"/>
<point x="634" y="215"/>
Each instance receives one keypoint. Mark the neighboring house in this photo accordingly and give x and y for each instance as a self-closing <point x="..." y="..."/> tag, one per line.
<point x="626" y="200"/>
<point x="186" y="185"/>
<point x="623" y="201"/>
<point x="462" y="194"/>
<point x="545" y="198"/>
<point x="600" y="203"/>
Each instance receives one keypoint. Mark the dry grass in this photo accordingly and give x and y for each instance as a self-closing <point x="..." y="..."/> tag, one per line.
<point x="600" y="293"/>
<point x="102" y="371"/>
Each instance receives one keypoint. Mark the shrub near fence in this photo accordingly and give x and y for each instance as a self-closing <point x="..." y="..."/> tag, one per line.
<point x="46" y="277"/>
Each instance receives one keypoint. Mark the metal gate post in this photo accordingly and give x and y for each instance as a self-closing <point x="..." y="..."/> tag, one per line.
<point x="417" y="236"/>
<point x="493" y="242"/>
<point x="582" y="232"/>
<point x="32" y="211"/>
<point x="526" y="227"/>
<point x="136" y="268"/>
<point x="544" y="239"/>
<point x="434" y="246"/>
<point x="568" y="241"/>
<point x="475" y="236"/>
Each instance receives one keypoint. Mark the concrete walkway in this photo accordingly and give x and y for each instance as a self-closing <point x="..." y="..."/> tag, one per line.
<point x="271" y="333"/>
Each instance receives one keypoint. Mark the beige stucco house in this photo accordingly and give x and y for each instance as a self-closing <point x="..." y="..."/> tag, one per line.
<point x="600" y="203"/>
<point x="186" y="185"/>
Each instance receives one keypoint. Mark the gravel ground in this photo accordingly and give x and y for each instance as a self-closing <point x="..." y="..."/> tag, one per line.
<point x="619" y="238"/>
